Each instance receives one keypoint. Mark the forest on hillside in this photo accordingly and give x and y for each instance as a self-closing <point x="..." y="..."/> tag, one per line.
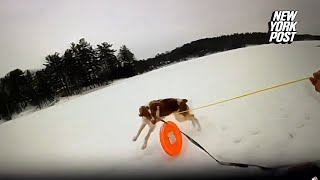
<point x="82" y="67"/>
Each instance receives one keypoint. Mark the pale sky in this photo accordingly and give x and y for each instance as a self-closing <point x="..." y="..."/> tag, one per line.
<point x="32" y="29"/>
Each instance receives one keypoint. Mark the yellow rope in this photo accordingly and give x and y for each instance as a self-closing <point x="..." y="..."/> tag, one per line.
<point x="255" y="92"/>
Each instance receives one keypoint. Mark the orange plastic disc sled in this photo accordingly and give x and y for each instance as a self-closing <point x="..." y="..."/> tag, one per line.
<point x="171" y="138"/>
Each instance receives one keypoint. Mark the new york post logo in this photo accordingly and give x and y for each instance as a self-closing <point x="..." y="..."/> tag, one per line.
<point x="282" y="27"/>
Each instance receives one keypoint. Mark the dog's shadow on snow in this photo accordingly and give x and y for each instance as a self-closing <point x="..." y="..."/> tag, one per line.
<point x="156" y="152"/>
<point x="191" y="131"/>
<point x="148" y="152"/>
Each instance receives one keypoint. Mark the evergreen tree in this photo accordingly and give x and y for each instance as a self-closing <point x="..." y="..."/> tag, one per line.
<point x="125" y="56"/>
<point x="127" y="60"/>
<point x="74" y="68"/>
<point x="5" y="112"/>
<point x="55" y="66"/>
<point x="29" y="89"/>
<point x="109" y="61"/>
<point x="44" y="88"/>
<point x="14" y="90"/>
<point x="90" y="65"/>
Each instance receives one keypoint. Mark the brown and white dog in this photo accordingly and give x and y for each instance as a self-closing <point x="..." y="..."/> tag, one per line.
<point x="161" y="108"/>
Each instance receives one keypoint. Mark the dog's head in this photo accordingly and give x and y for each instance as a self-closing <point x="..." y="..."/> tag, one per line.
<point x="182" y="103"/>
<point x="144" y="111"/>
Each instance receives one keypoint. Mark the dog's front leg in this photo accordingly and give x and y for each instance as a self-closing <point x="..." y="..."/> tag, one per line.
<point x="194" y="121"/>
<point x="143" y="124"/>
<point x="155" y="115"/>
<point x="197" y="122"/>
<point x="151" y="128"/>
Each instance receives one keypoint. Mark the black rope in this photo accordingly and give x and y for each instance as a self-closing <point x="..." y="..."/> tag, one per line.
<point x="221" y="162"/>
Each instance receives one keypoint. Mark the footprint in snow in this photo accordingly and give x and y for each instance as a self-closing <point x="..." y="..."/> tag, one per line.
<point x="255" y="132"/>
<point x="224" y="128"/>
<point x="307" y="118"/>
<point x="291" y="136"/>
<point x="286" y="116"/>
<point x="237" y="140"/>
<point x="300" y="125"/>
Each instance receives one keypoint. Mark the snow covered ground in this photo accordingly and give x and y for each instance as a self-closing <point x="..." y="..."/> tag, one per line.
<point x="93" y="133"/>
<point x="32" y="109"/>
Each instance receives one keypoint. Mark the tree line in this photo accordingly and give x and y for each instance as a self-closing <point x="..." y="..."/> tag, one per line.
<point x="203" y="47"/>
<point x="82" y="67"/>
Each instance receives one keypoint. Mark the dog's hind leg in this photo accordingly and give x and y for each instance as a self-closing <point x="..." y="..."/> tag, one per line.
<point x="151" y="128"/>
<point x="179" y="117"/>
<point x="194" y="121"/>
<point x="143" y="124"/>
<point x="186" y="117"/>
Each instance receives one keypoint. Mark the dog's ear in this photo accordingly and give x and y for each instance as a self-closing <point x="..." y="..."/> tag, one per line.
<point x="184" y="100"/>
<point x="183" y="105"/>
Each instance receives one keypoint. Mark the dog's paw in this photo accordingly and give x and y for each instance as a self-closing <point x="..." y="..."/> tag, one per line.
<point x="144" y="146"/>
<point x="134" y="138"/>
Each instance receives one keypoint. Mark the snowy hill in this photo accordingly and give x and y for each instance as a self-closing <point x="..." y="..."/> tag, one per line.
<point x="93" y="133"/>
